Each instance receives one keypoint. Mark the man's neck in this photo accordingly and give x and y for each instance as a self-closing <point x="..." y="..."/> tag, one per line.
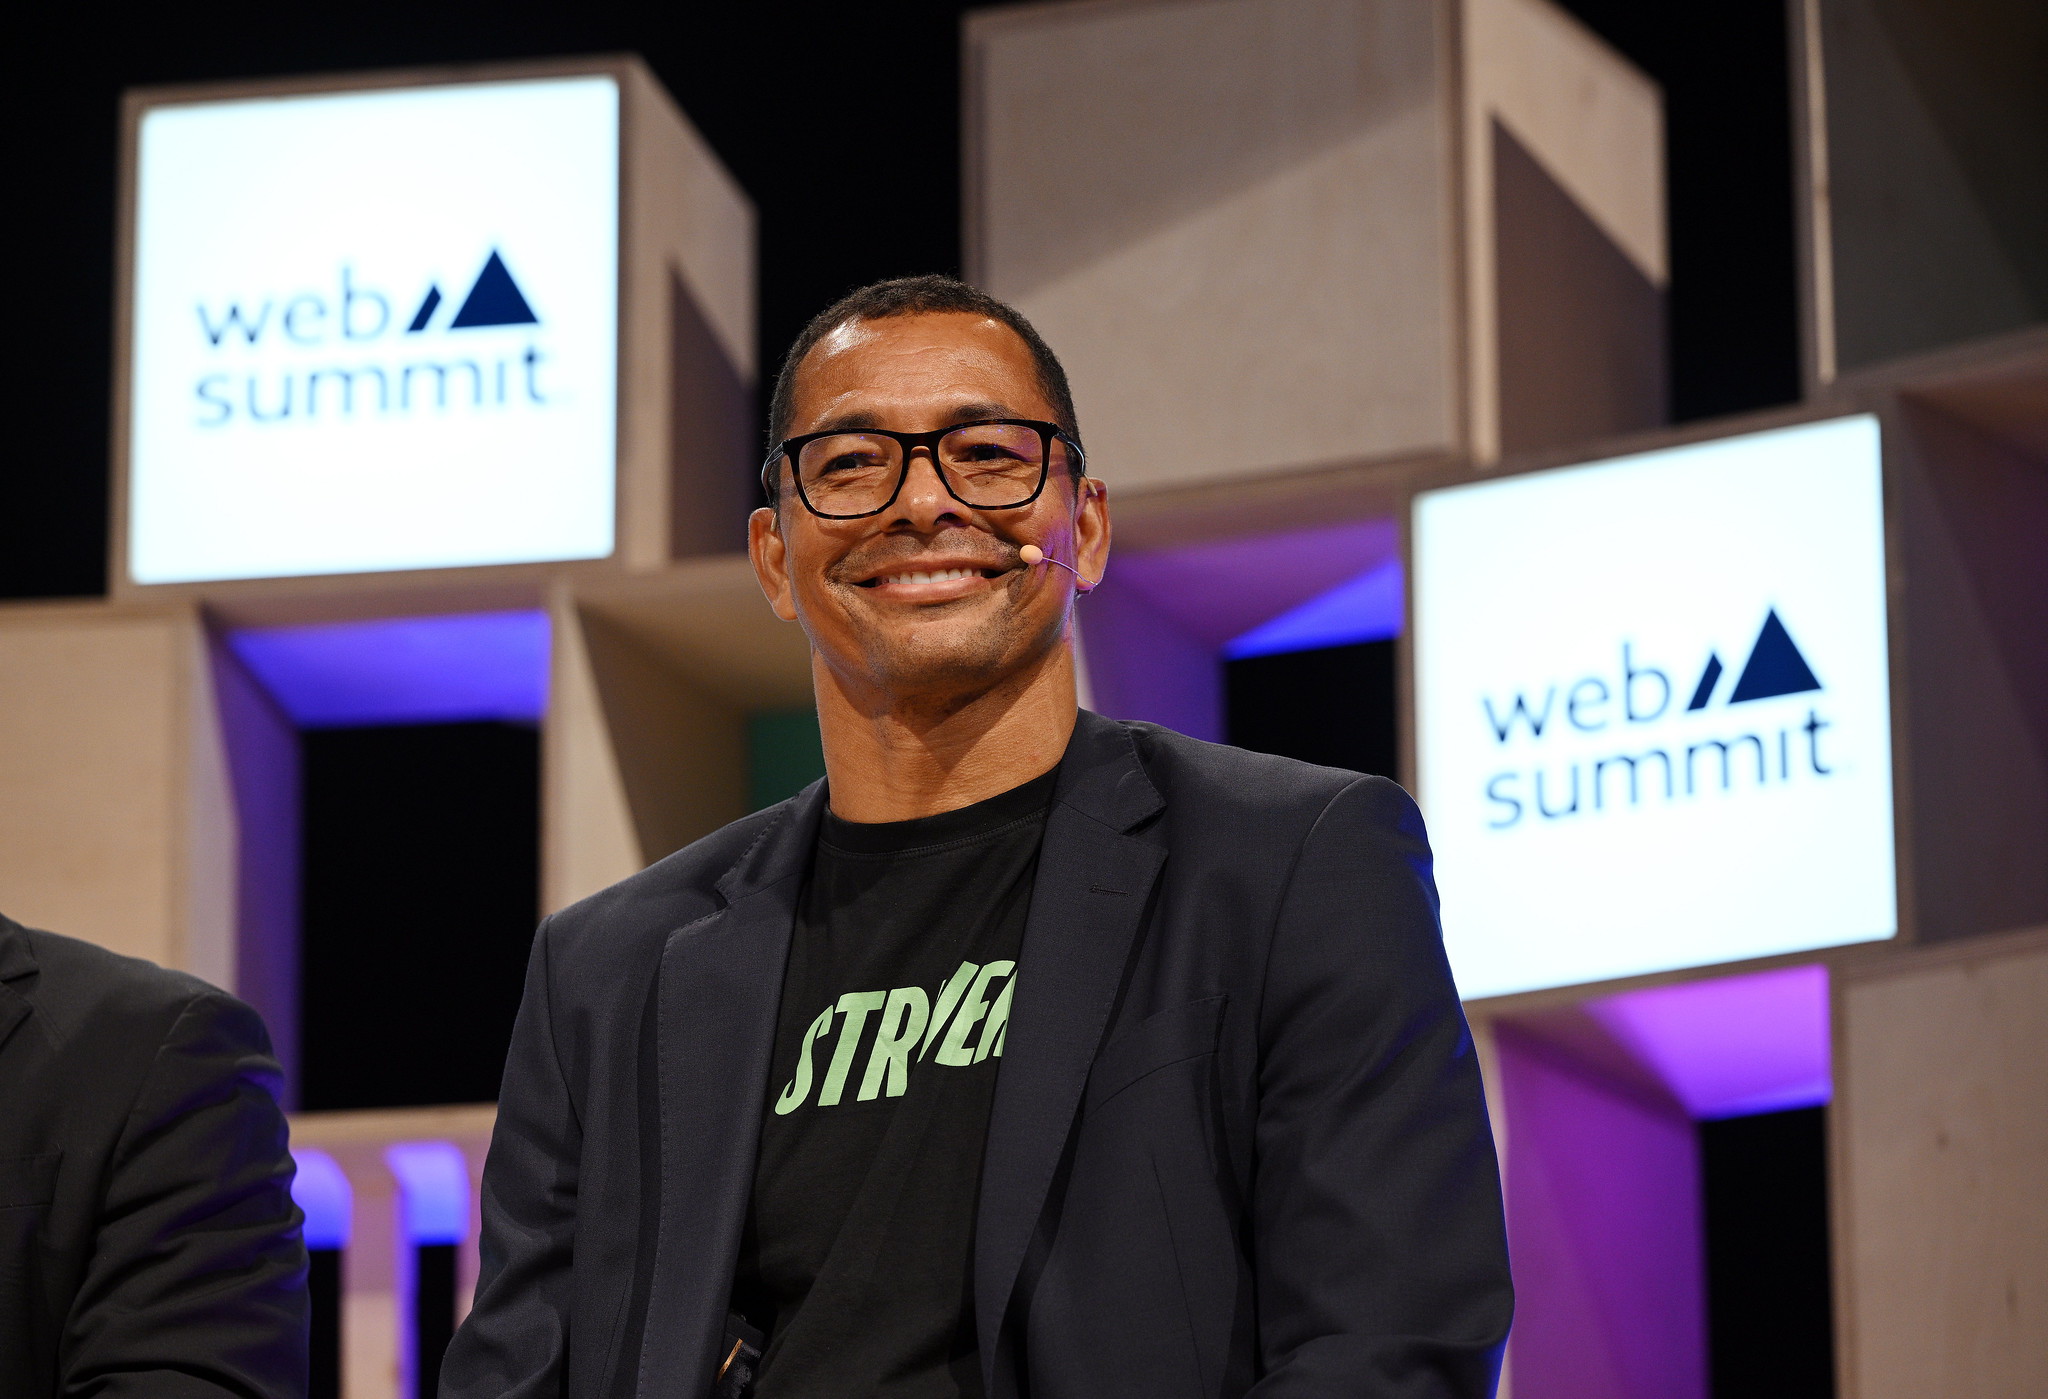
<point x="897" y="760"/>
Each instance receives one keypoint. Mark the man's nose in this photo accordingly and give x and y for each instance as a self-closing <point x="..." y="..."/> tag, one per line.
<point x="924" y="499"/>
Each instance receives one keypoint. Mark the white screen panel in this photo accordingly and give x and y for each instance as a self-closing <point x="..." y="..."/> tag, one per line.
<point x="375" y="330"/>
<point x="1653" y="718"/>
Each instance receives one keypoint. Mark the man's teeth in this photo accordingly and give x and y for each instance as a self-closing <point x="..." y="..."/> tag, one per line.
<point x="943" y="575"/>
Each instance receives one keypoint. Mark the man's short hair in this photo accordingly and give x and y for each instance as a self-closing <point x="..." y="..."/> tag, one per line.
<point x="917" y="296"/>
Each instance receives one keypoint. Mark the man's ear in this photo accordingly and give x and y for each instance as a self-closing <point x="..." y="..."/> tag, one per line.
<point x="769" y="553"/>
<point x="1091" y="528"/>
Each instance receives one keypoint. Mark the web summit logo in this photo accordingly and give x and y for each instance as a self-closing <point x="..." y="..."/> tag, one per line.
<point x="1666" y="769"/>
<point x="346" y="354"/>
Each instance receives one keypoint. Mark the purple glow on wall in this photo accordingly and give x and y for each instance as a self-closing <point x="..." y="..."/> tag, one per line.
<point x="322" y="1192"/>
<point x="262" y="748"/>
<point x="1219" y="590"/>
<point x="1155" y="633"/>
<point x="1731" y="1046"/>
<point x="404" y="670"/>
<point x="1366" y="608"/>
<point x="1143" y="665"/>
<point x="1603" y="1193"/>
<point x="433" y="1183"/>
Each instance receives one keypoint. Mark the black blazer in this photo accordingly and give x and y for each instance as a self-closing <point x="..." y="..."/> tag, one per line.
<point x="149" y="1245"/>
<point x="1238" y="1144"/>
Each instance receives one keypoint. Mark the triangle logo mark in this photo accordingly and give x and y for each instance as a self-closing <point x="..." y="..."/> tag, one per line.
<point x="495" y="299"/>
<point x="1774" y="667"/>
<point x="1709" y="678"/>
<point x="426" y="311"/>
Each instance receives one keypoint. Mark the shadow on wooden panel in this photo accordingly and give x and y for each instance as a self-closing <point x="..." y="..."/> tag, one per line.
<point x="681" y="755"/>
<point x="711" y="411"/>
<point x="1972" y="513"/>
<point x="1937" y="179"/>
<point x="1582" y="345"/>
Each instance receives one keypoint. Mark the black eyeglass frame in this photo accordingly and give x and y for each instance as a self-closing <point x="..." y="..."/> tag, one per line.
<point x="910" y="442"/>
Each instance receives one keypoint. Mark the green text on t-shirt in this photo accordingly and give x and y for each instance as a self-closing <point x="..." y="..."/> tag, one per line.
<point x="910" y="1022"/>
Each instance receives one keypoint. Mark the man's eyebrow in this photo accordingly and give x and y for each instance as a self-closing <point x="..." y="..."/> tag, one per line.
<point x="848" y="422"/>
<point x="981" y="412"/>
<point x="861" y="420"/>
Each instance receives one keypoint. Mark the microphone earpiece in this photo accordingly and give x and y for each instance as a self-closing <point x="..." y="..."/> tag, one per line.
<point x="1033" y="556"/>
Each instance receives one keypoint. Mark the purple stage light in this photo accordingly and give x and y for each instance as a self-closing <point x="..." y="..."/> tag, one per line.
<point x="1604" y="1230"/>
<point x="1220" y="589"/>
<point x="433" y="1182"/>
<point x="1602" y="1167"/>
<point x="1155" y="631"/>
<point x="404" y="670"/>
<point x="322" y="1193"/>
<point x="1365" y="608"/>
<point x="1731" y="1046"/>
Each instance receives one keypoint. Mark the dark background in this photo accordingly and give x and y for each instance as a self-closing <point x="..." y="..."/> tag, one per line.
<point x="796" y="98"/>
<point x="1333" y="705"/>
<point x="1770" y="1323"/>
<point x="421" y="875"/>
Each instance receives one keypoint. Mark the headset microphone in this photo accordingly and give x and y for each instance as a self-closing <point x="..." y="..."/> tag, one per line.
<point x="1033" y="556"/>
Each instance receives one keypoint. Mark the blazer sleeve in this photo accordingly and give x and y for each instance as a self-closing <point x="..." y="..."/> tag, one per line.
<point x="1378" y="1236"/>
<point x="515" y="1341"/>
<point x="197" y="1281"/>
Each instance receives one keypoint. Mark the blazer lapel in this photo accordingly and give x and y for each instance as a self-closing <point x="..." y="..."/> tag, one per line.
<point x="16" y="961"/>
<point x="1090" y="894"/>
<point x="719" y="991"/>
<point x="13" y="1010"/>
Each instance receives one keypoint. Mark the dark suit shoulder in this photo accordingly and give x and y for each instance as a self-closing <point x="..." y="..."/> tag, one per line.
<point x="645" y="908"/>
<point x="1232" y="785"/>
<point x="84" y="993"/>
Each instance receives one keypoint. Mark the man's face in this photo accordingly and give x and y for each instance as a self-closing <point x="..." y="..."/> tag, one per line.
<point x="926" y="600"/>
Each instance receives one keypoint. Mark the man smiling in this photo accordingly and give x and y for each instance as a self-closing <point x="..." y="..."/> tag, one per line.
<point x="1029" y="1053"/>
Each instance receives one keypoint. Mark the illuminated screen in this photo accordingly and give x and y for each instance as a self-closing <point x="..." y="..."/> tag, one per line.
<point x="1653" y="728"/>
<point x="374" y="330"/>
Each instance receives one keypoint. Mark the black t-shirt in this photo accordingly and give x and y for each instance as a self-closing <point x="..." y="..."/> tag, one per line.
<point x="858" y="1256"/>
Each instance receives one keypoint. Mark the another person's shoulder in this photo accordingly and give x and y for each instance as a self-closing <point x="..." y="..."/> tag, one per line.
<point x="101" y="999"/>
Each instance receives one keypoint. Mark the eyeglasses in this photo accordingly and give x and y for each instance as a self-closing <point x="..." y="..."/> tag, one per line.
<point x="1000" y="464"/>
